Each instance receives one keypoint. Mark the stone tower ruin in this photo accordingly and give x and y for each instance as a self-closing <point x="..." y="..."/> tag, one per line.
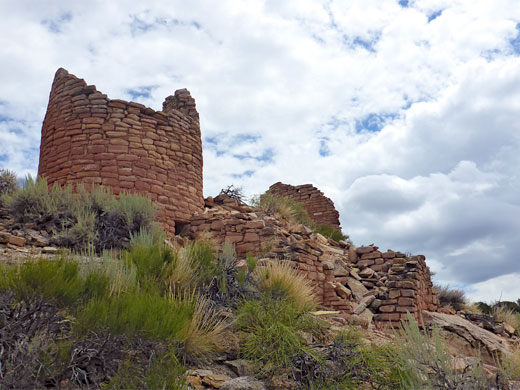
<point x="320" y="208"/>
<point x="90" y="139"/>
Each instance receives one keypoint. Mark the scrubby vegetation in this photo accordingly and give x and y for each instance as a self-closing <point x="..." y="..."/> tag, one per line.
<point x="139" y="317"/>
<point x="8" y="182"/>
<point x="80" y="220"/>
<point x="294" y="211"/>
<point x="451" y="297"/>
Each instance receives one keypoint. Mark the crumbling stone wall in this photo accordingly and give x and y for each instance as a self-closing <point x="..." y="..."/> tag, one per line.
<point x="363" y="284"/>
<point x="320" y="208"/>
<point x="406" y="281"/>
<point x="91" y="139"/>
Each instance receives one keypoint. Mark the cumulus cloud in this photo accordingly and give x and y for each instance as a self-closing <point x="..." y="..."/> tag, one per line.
<point x="405" y="113"/>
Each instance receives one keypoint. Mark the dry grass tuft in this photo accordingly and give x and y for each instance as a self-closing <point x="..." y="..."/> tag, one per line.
<point x="203" y="334"/>
<point x="279" y="278"/>
<point x="508" y="316"/>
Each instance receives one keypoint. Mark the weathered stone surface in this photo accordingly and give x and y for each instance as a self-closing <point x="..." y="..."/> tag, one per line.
<point x="241" y="367"/>
<point x="357" y="288"/>
<point x="18" y="241"/>
<point x="469" y="335"/>
<point x="243" y="383"/>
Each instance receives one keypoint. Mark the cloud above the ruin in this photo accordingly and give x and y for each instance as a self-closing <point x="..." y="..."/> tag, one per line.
<point x="405" y="113"/>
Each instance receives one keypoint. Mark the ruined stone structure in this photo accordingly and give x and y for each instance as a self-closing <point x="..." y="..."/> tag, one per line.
<point x="320" y="208"/>
<point x="363" y="282"/>
<point x="91" y="139"/>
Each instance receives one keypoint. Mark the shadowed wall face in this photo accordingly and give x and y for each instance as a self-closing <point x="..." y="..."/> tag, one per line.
<point x="90" y="139"/>
<point x="320" y="208"/>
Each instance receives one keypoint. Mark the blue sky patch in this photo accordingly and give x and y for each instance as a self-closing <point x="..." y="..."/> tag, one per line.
<point x="324" y="148"/>
<point x="434" y="16"/>
<point x="141" y="92"/>
<point x="247" y="173"/>
<point x="515" y="42"/>
<point x="403" y="3"/>
<point x="374" y="122"/>
<point x="138" y="25"/>
<point x="55" y="25"/>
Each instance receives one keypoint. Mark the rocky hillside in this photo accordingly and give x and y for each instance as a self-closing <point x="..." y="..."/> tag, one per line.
<point x="94" y="295"/>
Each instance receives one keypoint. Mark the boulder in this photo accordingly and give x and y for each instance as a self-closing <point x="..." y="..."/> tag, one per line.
<point x="463" y="335"/>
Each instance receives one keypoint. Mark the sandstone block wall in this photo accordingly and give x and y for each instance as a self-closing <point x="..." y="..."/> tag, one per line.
<point x="91" y="139"/>
<point x="320" y="208"/>
<point x="359" y="282"/>
<point x="406" y="280"/>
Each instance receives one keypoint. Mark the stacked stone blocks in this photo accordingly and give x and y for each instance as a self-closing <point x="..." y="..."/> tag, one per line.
<point x="320" y="208"/>
<point x="90" y="139"/>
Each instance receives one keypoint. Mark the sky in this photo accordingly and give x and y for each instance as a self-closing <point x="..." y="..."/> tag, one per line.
<point x="406" y="113"/>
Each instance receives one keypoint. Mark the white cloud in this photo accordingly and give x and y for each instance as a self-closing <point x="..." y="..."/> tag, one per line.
<point x="276" y="82"/>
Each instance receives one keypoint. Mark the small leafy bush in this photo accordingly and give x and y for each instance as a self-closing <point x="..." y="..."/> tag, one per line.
<point x="280" y="280"/>
<point x="451" y="297"/>
<point x="34" y="202"/>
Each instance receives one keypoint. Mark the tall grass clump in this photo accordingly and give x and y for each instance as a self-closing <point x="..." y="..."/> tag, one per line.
<point x="283" y="207"/>
<point x="427" y="364"/>
<point x="451" y="297"/>
<point x="280" y="280"/>
<point x="502" y="314"/>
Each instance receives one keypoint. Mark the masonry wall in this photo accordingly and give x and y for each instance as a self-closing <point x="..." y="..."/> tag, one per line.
<point x="406" y="280"/>
<point x="91" y="139"/>
<point x="320" y="208"/>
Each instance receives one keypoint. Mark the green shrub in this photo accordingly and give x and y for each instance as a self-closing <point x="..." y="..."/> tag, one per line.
<point x="8" y="181"/>
<point x="273" y="329"/>
<point x="330" y="232"/>
<point x="348" y="363"/>
<point x="150" y="260"/>
<point x="138" y="313"/>
<point x="451" y="297"/>
<point x="162" y="372"/>
<point x="34" y="202"/>
<point x="56" y="281"/>
<point x="137" y="211"/>
<point x="82" y="219"/>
